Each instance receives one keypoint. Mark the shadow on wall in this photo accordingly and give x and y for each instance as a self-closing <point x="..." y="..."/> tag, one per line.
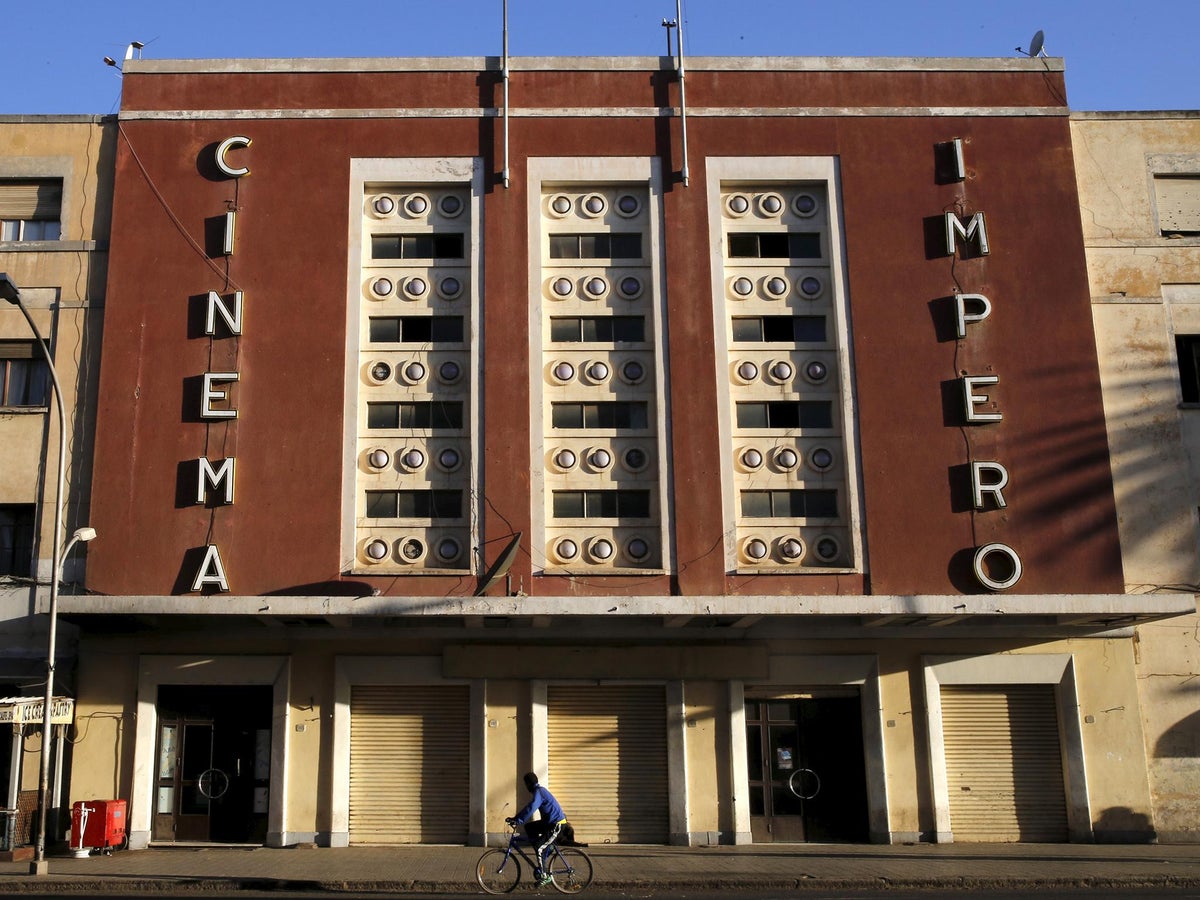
<point x="1181" y="740"/>
<point x="1121" y="825"/>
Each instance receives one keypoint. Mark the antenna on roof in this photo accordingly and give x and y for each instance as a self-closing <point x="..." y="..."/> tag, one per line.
<point x="134" y="45"/>
<point x="1036" y="47"/>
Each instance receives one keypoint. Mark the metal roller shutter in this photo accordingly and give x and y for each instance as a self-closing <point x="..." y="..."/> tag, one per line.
<point x="409" y="764"/>
<point x="30" y="199"/>
<point x="608" y="761"/>
<point x="1004" y="765"/>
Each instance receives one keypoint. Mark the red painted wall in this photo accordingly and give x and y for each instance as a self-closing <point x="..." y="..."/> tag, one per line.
<point x="283" y="533"/>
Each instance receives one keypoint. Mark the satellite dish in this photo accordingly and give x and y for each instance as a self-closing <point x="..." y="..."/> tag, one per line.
<point x="501" y="566"/>
<point x="1035" y="44"/>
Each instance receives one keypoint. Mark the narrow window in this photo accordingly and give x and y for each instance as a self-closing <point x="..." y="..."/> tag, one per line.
<point x="1187" y="348"/>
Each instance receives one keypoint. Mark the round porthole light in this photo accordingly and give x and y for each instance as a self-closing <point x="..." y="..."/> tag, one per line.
<point x="600" y="459"/>
<point x="746" y="371"/>
<point x="448" y="550"/>
<point x="791" y="549"/>
<point x="561" y="287"/>
<point x="413" y="459"/>
<point x="563" y="371"/>
<point x="775" y="287"/>
<point x="827" y="548"/>
<point x="412" y="550"/>
<point x="598" y="372"/>
<point x="378" y="458"/>
<point x="449" y="459"/>
<point x="450" y="205"/>
<point x="382" y="287"/>
<point x="450" y="288"/>
<point x="594" y="205"/>
<point x="601" y="549"/>
<point x="416" y="204"/>
<point x="629" y="287"/>
<point x="628" y="205"/>
<point x="781" y="370"/>
<point x="752" y="458"/>
<point x="787" y="459"/>
<point x="415" y="288"/>
<point x="596" y="286"/>
<point x="816" y="371"/>
<point x="635" y="459"/>
<point x="805" y="205"/>
<point x="637" y="549"/>
<point x="384" y="205"/>
<point x="449" y="372"/>
<point x="821" y="458"/>
<point x="755" y="549"/>
<point x="633" y="372"/>
<point x="566" y="550"/>
<point x="742" y="287"/>
<point x="770" y="204"/>
<point x="565" y="459"/>
<point x="559" y="205"/>
<point x="380" y="372"/>
<point x="415" y="372"/>
<point x="376" y="550"/>
<point x="811" y="286"/>
<point x="737" y="205"/>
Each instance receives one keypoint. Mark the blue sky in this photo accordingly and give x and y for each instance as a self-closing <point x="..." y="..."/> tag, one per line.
<point x="1119" y="55"/>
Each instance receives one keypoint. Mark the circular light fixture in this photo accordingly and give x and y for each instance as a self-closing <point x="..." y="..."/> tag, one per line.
<point x="562" y="287"/>
<point x="449" y="459"/>
<point x="598" y="372"/>
<point x="628" y="206"/>
<point x="593" y="205"/>
<point x="559" y="205"/>
<point x="791" y="549"/>
<point x="596" y="287"/>
<point x="775" y="287"/>
<point x="601" y="549"/>
<point x="805" y="205"/>
<point x="378" y="458"/>
<point x="742" y="286"/>
<point x="755" y="549"/>
<point x="751" y="458"/>
<point x="637" y="549"/>
<point x="563" y="371"/>
<point x="382" y="287"/>
<point x="414" y="373"/>
<point x="411" y="550"/>
<point x="746" y="371"/>
<point x="629" y="287"/>
<point x="737" y="205"/>
<point x="821" y="459"/>
<point x="633" y="372"/>
<point x="566" y="550"/>
<point x="376" y="550"/>
<point x="816" y="371"/>
<point x="416" y="204"/>
<point x="787" y="458"/>
<point x="770" y="205"/>
<point x="827" y="548"/>
<point x="449" y="372"/>
<point x="565" y="459"/>
<point x="450" y="288"/>
<point x="380" y="372"/>
<point x="635" y="459"/>
<point x="810" y="287"/>
<point x="413" y="459"/>
<point x="415" y="288"/>
<point x="451" y="205"/>
<point x="600" y="459"/>
<point x="781" y="370"/>
<point x="448" y="550"/>
<point x="384" y="205"/>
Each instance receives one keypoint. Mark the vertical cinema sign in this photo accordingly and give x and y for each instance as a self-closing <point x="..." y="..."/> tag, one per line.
<point x="215" y="478"/>
<point x="996" y="565"/>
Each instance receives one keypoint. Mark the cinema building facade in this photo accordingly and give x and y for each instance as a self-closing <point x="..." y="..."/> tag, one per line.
<point x="739" y="465"/>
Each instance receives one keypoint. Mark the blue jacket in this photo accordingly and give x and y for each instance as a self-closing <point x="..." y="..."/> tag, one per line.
<point x="542" y="801"/>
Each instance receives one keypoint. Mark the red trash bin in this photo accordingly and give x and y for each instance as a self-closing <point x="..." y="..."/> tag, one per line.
<point x="98" y="824"/>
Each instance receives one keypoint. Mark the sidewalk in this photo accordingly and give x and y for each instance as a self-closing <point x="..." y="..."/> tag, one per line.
<point x="768" y="867"/>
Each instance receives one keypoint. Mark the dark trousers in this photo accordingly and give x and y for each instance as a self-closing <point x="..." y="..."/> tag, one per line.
<point x="542" y="834"/>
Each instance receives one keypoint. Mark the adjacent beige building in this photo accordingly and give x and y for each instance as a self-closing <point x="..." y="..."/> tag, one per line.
<point x="1139" y="192"/>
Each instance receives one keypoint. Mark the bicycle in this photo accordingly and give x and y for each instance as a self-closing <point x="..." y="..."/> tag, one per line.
<point x="499" y="871"/>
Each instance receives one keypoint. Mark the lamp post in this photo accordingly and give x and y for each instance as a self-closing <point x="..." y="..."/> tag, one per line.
<point x="10" y="292"/>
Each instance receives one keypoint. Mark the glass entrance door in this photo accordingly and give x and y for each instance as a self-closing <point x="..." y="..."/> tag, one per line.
<point x="806" y="767"/>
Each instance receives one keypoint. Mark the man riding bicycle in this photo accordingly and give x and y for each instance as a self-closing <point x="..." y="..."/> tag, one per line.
<point x="544" y="831"/>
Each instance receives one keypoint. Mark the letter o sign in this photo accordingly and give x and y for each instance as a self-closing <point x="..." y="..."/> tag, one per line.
<point x="999" y="560"/>
<point x="223" y="148"/>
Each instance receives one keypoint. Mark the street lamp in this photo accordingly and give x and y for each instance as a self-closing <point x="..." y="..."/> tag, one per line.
<point x="10" y="292"/>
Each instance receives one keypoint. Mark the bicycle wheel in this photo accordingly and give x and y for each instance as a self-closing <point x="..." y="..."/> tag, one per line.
<point x="497" y="872"/>
<point x="570" y="870"/>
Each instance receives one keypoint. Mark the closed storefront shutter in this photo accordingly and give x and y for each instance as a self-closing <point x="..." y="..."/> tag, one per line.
<point x="1004" y="766"/>
<point x="608" y="761"/>
<point x="409" y="764"/>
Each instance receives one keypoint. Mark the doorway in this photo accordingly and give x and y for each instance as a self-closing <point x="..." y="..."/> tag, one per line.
<point x="213" y="763"/>
<point x="807" y="770"/>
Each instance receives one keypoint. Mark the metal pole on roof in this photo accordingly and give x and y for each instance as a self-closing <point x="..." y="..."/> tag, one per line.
<point x="682" y="96"/>
<point x="504" y="72"/>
